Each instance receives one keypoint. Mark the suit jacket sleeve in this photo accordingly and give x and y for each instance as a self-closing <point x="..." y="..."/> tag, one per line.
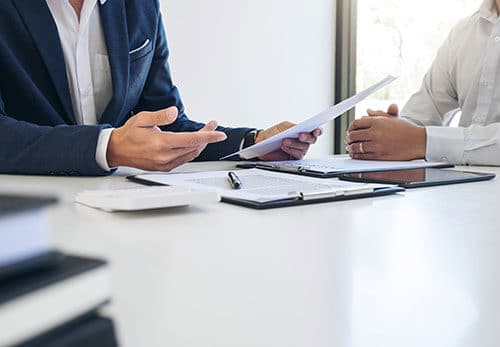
<point x="26" y="148"/>
<point x="160" y="92"/>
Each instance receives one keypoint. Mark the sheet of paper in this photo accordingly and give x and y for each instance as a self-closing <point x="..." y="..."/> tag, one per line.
<point x="344" y="164"/>
<point x="274" y="143"/>
<point x="258" y="185"/>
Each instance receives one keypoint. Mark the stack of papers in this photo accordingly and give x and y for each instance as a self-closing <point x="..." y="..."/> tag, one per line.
<point x="271" y="144"/>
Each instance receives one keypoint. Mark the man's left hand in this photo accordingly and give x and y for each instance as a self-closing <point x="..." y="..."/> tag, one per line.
<point x="291" y="149"/>
<point x="386" y="138"/>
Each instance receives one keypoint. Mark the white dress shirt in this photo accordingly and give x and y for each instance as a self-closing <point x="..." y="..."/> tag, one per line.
<point x="87" y="65"/>
<point x="464" y="77"/>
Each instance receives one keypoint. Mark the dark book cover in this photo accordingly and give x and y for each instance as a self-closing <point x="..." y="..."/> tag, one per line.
<point x="39" y="262"/>
<point x="10" y="204"/>
<point x="69" y="267"/>
<point x="91" y="330"/>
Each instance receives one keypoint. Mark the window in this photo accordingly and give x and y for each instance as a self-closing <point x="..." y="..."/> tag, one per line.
<point x="401" y="37"/>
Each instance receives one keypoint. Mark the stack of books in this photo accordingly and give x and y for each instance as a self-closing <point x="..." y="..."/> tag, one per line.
<point x="47" y="298"/>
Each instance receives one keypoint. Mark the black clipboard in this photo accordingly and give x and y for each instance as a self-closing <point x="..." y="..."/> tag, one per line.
<point x="301" y="171"/>
<point x="299" y="200"/>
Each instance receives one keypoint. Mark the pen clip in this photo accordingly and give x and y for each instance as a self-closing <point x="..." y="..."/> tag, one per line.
<point x="291" y="169"/>
<point x="316" y="195"/>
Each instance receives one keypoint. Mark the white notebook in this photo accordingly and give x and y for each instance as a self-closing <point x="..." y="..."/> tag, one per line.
<point x="145" y="198"/>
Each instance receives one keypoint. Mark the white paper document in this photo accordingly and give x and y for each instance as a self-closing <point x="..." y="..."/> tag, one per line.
<point x="262" y="186"/>
<point x="273" y="143"/>
<point x="343" y="164"/>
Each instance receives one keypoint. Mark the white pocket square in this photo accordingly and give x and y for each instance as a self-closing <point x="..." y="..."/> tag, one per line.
<point x="140" y="47"/>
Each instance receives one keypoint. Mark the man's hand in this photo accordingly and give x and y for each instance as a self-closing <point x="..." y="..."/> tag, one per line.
<point x="141" y="144"/>
<point x="291" y="149"/>
<point x="386" y="138"/>
<point x="392" y="111"/>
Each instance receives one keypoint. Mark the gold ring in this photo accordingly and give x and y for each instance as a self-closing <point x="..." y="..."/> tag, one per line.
<point x="361" y="149"/>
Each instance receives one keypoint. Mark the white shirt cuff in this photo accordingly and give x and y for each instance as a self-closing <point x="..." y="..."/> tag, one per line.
<point x="102" y="149"/>
<point x="445" y="144"/>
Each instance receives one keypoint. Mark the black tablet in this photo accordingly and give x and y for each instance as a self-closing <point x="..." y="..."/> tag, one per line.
<point x="418" y="177"/>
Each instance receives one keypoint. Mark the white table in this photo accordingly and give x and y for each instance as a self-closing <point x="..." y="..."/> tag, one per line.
<point x="419" y="269"/>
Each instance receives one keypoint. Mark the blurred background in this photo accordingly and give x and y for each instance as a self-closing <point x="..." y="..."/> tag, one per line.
<point x="401" y="37"/>
<point x="253" y="62"/>
<point x="257" y="62"/>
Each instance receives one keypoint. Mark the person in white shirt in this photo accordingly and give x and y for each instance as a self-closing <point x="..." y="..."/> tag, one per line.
<point x="465" y="77"/>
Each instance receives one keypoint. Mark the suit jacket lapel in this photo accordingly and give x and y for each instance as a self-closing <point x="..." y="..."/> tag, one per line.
<point x="43" y="29"/>
<point x="114" y="22"/>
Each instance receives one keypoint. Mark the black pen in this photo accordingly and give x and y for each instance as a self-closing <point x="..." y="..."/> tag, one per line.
<point x="234" y="180"/>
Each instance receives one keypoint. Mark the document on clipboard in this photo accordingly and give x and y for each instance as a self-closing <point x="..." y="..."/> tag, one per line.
<point x="263" y="189"/>
<point x="337" y="165"/>
<point x="273" y="143"/>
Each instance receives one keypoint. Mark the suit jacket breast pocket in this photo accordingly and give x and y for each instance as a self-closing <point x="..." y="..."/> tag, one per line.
<point x="141" y="51"/>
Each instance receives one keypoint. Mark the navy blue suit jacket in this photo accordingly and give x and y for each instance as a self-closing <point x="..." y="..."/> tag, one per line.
<point x="38" y="132"/>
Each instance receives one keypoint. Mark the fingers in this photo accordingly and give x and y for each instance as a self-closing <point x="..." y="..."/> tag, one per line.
<point x="296" y="144"/>
<point x="373" y="113"/>
<point x="196" y="139"/>
<point x="180" y="160"/>
<point x="308" y="138"/>
<point x="278" y="155"/>
<point x="361" y="148"/>
<point x="293" y="152"/>
<point x="312" y="137"/>
<point x="359" y="136"/>
<point x="318" y="132"/>
<point x="158" y="118"/>
<point x="393" y="110"/>
<point x="295" y="148"/>
<point x="163" y="158"/>
<point x="366" y="156"/>
<point x="210" y="126"/>
<point x="363" y="123"/>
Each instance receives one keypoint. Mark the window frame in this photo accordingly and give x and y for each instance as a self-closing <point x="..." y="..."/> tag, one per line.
<point x="345" y="66"/>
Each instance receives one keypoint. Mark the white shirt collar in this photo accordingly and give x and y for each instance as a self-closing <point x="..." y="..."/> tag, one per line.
<point x="488" y="10"/>
<point x="103" y="1"/>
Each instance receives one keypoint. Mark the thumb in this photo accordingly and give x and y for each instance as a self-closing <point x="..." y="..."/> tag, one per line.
<point x="393" y="110"/>
<point x="157" y="118"/>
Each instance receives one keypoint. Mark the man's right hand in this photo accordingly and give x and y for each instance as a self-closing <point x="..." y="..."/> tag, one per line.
<point x="392" y="111"/>
<point x="141" y="144"/>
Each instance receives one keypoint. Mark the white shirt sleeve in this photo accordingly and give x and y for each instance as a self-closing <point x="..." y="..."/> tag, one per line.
<point x="475" y="145"/>
<point x="437" y="98"/>
<point x="102" y="149"/>
<point x="445" y="144"/>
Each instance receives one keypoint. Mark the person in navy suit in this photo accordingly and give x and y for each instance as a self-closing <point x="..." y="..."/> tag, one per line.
<point x="85" y="87"/>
